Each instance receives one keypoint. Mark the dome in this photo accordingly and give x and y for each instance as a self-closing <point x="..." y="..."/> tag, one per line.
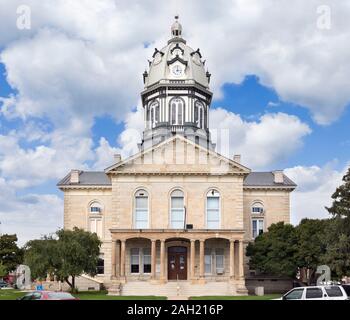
<point x="177" y="62"/>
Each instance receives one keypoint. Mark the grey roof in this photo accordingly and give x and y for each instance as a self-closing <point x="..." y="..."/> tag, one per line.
<point x="88" y="178"/>
<point x="266" y="179"/>
<point x="254" y="179"/>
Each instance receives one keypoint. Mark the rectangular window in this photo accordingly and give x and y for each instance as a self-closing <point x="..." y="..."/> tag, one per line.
<point x="207" y="261"/>
<point x="96" y="226"/>
<point x="219" y="260"/>
<point x="177" y="213"/>
<point x="314" y="293"/>
<point x="135" y="260"/>
<point x="141" y="213"/>
<point x="213" y="213"/>
<point x="146" y="260"/>
<point x="101" y="265"/>
<point x="257" y="227"/>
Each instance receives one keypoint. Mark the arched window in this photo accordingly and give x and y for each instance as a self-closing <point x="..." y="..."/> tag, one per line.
<point x="177" y="210"/>
<point x="141" y="210"/>
<point x="199" y="114"/>
<point x="213" y="209"/>
<point x="95" y="208"/>
<point x="257" y="208"/>
<point x="177" y="107"/>
<point x="95" y="219"/>
<point x="154" y="113"/>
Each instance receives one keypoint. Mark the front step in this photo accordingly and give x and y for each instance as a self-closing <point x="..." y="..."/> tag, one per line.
<point x="178" y="289"/>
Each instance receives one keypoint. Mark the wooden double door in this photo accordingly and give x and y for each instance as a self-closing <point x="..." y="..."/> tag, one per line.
<point x="177" y="263"/>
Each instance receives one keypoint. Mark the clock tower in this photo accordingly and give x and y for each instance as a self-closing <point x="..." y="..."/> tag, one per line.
<point x="176" y="98"/>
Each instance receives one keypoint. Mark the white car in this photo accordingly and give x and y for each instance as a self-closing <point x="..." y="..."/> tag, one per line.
<point x="316" y="293"/>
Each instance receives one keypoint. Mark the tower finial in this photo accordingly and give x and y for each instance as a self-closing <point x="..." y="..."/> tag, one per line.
<point x="176" y="28"/>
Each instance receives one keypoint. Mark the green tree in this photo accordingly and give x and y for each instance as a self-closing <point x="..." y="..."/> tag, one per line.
<point x="3" y="270"/>
<point x="73" y="253"/>
<point x="10" y="254"/>
<point x="274" y="252"/>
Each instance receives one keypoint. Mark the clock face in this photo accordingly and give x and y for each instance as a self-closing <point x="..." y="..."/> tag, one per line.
<point x="177" y="70"/>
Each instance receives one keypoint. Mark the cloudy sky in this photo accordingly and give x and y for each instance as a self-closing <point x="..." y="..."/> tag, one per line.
<point x="70" y="84"/>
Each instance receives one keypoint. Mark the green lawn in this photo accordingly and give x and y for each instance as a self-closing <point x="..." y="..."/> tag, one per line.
<point x="265" y="297"/>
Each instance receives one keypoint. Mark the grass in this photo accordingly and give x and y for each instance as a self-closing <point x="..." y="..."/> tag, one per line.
<point x="265" y="297"/>
<point x="12" y="294"/>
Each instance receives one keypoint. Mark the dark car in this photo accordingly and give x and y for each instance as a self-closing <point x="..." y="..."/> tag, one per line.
<point x="346" y="287"/>
<point x="48" y="295"/>
<point x="3" y="284"/>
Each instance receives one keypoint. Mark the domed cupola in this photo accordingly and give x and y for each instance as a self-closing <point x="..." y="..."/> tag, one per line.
<point x="176" y="98"/>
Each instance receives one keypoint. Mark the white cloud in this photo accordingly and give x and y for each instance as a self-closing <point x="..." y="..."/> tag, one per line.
<point x="315" y="188"/>
<point x="261" y="143"/>
<point x="30" y="216"/>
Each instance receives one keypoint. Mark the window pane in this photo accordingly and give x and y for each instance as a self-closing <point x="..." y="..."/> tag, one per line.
<point x="294" y="295"/>
<point x="334" y="291"/>
<point x="146" y="260"/>
<point x="177" y="202"/>
<point x="213" y="225"/>
<point x="213" y="215"/>
<point x="219" y="255"/>
<point x="142" y="202"/>
<point x="255" y="228"/>
<point x="134" y="260"/>
<point x="313" y="293"/>
<point x="213" y="203"/>
<point x="207" y="261"/>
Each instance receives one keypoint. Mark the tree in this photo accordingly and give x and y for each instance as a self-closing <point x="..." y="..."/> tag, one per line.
<point x="274" y="252"/>
<point x="74" y="252"/>
<point x="3" y="270"/>
<point x="10" y="254"/>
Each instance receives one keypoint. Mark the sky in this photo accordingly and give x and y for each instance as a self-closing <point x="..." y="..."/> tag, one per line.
<point x="71" y="77"/>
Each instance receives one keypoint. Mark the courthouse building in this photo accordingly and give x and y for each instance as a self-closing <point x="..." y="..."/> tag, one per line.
<point x="175" y="217"/>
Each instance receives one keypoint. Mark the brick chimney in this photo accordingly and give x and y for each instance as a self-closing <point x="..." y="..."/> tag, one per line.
<point x="237" y="158"/>
<point x="74" y="176"/>
<point x="117" y="157"/>
<point x="278" y="176"/>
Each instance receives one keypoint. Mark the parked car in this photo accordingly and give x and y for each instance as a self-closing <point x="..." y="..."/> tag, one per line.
<point x="3" y="284"/>
<point x="316" y="293"/>
<point x="48" y="295"/>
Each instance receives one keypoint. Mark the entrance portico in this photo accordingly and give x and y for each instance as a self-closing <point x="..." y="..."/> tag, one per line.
<point x="198" y="256"/>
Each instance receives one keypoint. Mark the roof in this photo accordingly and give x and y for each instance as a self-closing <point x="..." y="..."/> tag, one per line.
<point x="254" y="179"/>
<point x="88" y="178"/>
<point x="266" y="179"/>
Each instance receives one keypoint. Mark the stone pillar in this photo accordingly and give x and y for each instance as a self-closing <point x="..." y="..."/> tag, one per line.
<point x="201" y="259"/>
<point x="122" y="258"/>
<point x="241" y="260"/>
<point x="153" y="259"/>
<point x="114" y="258"/>
<point x="232" y="259"/>
<point x="193" y="257"/>
<point x="162" y="260"/>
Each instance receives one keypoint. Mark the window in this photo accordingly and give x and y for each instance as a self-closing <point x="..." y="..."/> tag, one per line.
<point x="257" y="227"/>
<point x="95" y="208"/>
<point x="177" y="214"/>
<point x="154" y="110"/>
<point x="207" y="261"/>
<point x="314" y="293"/>
<point x="257" y="208"/>
<point x="146" y="260"/>
<point x="219" y="260"/>
<point x="141" y="210"/>
<point x="177" y="111"/>
<point x="96" y="226"/>
<point x="135" y="260"/>
<point x="101" y="265"/>
<point x="294" y="295"/>
<point x="334" y="291"/>
<point x="199" y="114"/>
<point x="213" y="209"/>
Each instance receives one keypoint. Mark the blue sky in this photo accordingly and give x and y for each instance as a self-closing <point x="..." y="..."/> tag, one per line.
<point x="70" y="92"/>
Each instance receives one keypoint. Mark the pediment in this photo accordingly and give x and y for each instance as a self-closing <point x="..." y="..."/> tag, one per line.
<point x="178" y="156"/>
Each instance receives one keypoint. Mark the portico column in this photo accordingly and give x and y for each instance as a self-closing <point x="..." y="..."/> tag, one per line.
<point x="232" y="259"/>
<point x="114" y="258"/>
<point x="122" y="258"/>
<point x="201" y="259"/>
<point x="162" y="259"/>
<point x="193" y="257"/>
<point x="153" y="259"/>
<point x="241" y="260"/>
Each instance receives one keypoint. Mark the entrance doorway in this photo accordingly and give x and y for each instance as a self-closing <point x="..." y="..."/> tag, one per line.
<point x="177" y="263"/>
